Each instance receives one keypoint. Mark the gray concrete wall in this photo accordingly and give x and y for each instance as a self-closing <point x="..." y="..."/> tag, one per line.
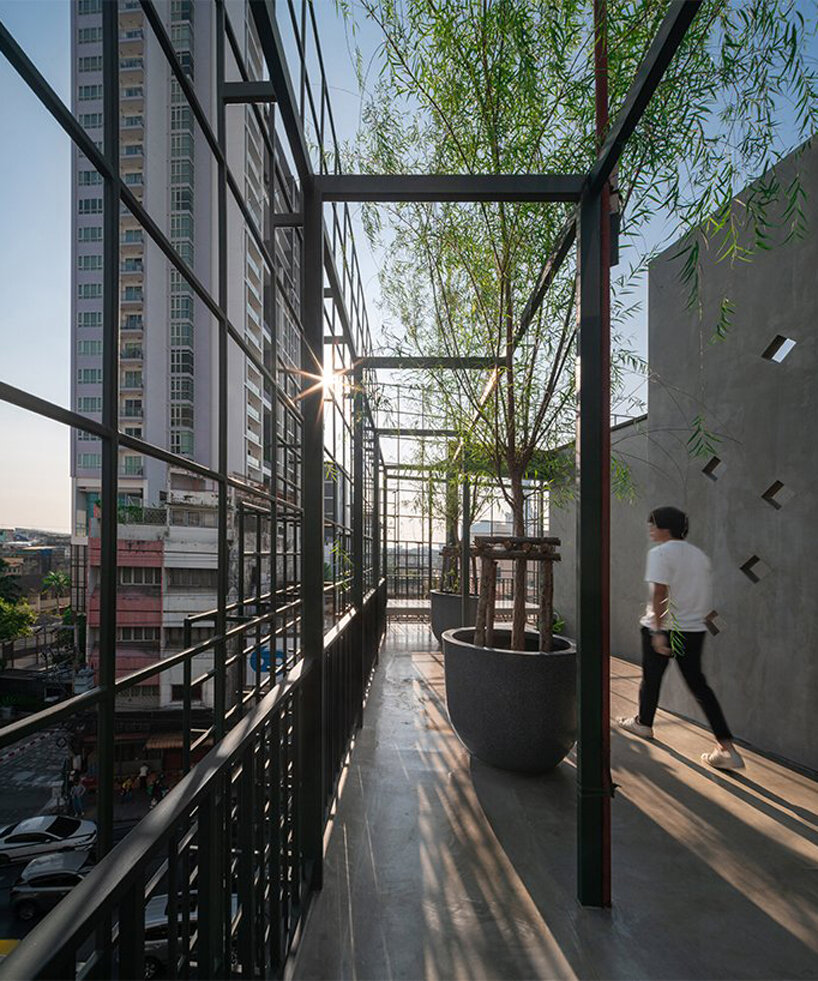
<point x="763" y="663"/>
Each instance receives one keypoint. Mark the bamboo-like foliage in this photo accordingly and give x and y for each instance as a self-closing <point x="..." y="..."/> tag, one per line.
<point x="507" y="86"/>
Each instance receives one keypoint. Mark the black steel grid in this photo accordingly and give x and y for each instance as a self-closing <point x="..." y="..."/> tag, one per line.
<point x="273" y="719"/>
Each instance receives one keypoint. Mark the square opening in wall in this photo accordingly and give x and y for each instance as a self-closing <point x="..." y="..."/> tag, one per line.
<point x="714" y="623"/>
<point x="755" y="569"/>
<point x="778" y="349"/>
<point x="777" y="495"/>
<point x="714" y="468"/>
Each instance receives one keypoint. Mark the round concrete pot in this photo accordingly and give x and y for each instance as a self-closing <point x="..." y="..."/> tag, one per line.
<point x="446" y="611"/>
<point x="516" y="710"/>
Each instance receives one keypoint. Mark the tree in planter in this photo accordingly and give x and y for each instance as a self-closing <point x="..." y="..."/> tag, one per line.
<point x="57" y="583"/>
<point x="443" y="498"/>
<point x="458" y="278"/>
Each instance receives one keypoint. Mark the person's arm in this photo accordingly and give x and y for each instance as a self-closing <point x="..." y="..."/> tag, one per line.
<point x="659" y="606"/>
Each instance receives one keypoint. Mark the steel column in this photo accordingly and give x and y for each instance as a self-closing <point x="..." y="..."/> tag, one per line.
<point x="431" y="531"/>
<point x="592" y="465"/>
<point x="358" y="539"/>
<point x="464" y="551"/>
<point x="376" y="512"/>
<point x="110" y="443"/>
<point x="222" y="583"/>
<point x="601" y="87"/>
<point x="313" y="770"/>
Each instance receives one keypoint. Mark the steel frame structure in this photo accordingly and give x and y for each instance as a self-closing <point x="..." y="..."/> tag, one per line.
<point x="590" y="228"/>
<point x="280" y="742"/>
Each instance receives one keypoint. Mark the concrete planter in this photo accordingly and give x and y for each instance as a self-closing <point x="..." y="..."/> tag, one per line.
<point x="446" y="612"/>
<point x="516" y="710"/>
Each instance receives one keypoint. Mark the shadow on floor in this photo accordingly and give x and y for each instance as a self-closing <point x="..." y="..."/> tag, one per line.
<point x="441" y="867"/>
<point x="701" y="890"/>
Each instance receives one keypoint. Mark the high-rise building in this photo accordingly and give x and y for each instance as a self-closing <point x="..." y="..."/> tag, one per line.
<point x="167" y="337"/>
<point x="168" y="341"/>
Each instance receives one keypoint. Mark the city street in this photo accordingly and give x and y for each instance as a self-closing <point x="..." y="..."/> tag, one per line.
<point x="12" y="928"/>
<point x="27" y="771"/>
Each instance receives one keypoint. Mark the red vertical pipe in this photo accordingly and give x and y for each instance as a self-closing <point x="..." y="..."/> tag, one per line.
<point x="601" y="90"/>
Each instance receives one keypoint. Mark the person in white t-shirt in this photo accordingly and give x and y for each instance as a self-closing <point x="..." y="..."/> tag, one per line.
<point x="674" y="625"/>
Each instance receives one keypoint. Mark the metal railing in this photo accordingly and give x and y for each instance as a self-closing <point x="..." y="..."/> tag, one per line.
<point x="231" y="829"/>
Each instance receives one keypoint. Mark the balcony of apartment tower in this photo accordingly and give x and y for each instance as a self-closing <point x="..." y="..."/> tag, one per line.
<point x="349" y="679"/>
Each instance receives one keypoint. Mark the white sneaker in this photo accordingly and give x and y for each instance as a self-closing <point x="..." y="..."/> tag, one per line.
<point x="632" y="724"/>
<point x="724" y="759"/>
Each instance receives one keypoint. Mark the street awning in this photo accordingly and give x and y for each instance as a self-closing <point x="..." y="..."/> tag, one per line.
<point x="172" y="740"/>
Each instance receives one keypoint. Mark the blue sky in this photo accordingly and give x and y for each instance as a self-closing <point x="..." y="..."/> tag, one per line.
<point x="35" y="197"/>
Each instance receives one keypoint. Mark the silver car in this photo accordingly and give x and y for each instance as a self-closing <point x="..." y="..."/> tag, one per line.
<point x="46" y="880"/>
<point x="41" y="835"/>
<point x="157" y="928"/>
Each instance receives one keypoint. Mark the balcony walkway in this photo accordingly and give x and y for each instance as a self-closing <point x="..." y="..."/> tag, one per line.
<point x="439" y="867"/>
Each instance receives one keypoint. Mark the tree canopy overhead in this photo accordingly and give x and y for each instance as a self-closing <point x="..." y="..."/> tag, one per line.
<point x="507" y="86"/>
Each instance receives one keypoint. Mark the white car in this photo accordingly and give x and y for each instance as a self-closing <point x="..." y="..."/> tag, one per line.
<point x="46" y="880"/>
<point x="40" y="835"/>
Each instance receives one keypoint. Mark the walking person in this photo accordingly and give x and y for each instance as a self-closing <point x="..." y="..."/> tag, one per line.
<point x="77" y="793"/>
<point x="158" y="790"/>
<point x="143" y="777"/>
<point x="674" y="626"/>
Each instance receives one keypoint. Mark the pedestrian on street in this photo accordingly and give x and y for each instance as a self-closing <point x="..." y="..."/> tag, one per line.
<point x="143" y="777"/>
<point x="158" y="790"/>
<point x="674" y="626"/>
<point x="77" y="793"/>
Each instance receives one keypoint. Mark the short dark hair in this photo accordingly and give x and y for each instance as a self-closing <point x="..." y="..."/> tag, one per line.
<point x="670" y="519"/>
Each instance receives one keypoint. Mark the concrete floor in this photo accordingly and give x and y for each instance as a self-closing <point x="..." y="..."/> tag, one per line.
<point x="441" y="867"/>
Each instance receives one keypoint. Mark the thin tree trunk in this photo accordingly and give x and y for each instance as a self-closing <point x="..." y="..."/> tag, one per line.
<point x="483" y="602"/>
<point x="492" y="604"/>
<point x="518" y="616"/>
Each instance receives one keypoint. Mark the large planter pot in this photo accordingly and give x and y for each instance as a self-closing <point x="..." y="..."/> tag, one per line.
<point x="446" y="611"/>
<point x="516" y="710"/>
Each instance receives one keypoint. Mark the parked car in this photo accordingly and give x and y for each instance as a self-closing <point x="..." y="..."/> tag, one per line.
<point x="46" y="880"/>
<point x="157" y="929"/>
<point x="40" y="835"/>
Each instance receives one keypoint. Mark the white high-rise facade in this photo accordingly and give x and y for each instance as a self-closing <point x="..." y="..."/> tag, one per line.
<point x="168" y="339"/>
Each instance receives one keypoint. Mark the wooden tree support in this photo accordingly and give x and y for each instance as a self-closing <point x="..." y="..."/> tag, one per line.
<point x="490" y="550"/>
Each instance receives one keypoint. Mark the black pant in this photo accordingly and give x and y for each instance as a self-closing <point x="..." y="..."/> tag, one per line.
<point x="690" y="664"/>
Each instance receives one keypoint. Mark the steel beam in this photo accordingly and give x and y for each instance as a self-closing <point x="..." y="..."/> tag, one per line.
<point x="238" y="93"/>
<point x="424" y="361"/>
<point x="286" y="219"/>
<point x="664" y="46"/>
<point x="264" y="17"/>
<point x="408" y="433"/>
<point x="451" y="187"/>
<point x="552" y="265"/>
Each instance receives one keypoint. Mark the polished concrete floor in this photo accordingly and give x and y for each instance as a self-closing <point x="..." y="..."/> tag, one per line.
<point x="440" y="867"/>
